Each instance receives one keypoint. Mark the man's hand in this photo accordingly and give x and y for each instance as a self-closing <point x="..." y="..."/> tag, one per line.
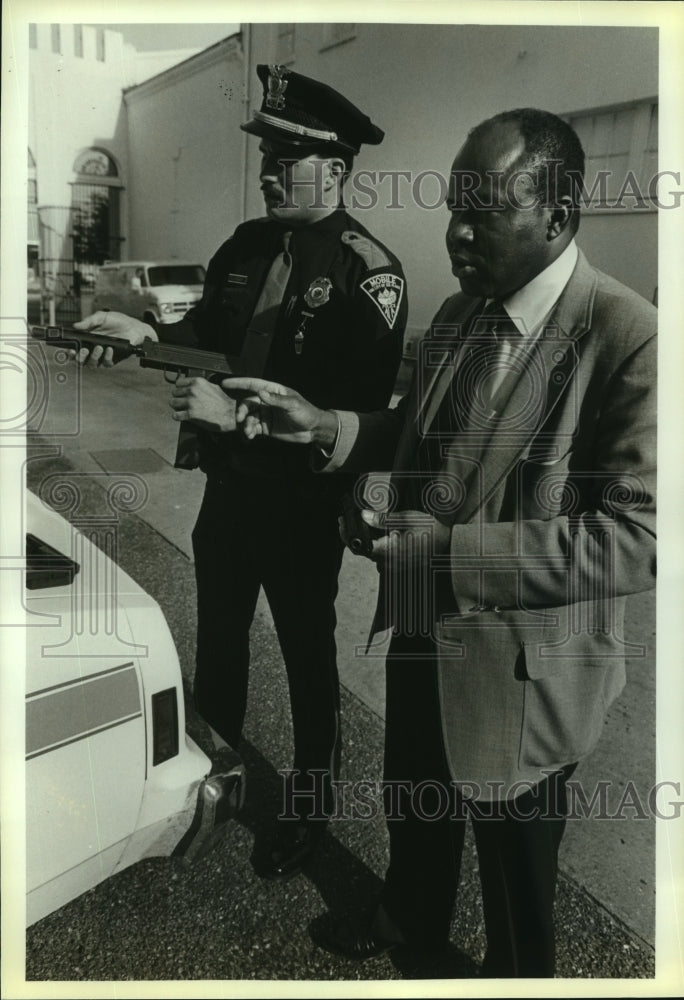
<point x="276" y="411"/>
<point x="111" y="324"/>
<point x="409" y="539"/>
<point x="204" y="403"/>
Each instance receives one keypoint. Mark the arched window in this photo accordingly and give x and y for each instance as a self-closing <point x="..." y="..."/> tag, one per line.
<point x="95" y="202"/>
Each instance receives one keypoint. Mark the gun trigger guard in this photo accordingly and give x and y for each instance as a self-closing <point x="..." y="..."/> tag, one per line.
<point x="174" y="379"/>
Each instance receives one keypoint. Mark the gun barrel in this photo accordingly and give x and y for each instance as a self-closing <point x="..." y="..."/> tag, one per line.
<point x="175" y="357"/>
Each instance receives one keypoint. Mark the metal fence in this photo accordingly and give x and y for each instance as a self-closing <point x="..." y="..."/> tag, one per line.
<point x="74" y="240"/>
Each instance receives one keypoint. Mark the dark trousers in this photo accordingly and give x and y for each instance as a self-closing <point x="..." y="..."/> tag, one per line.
<point x="517" y="842"/>
<point x="253" y="532"/>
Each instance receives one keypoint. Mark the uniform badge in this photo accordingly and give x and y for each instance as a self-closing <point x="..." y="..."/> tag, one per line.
<point x="386" y="291"/>
<point x="318" y="292"/>
<point x="276" y="87"/>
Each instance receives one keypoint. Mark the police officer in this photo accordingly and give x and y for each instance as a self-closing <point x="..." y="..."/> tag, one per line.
<point x="310" y="299"/>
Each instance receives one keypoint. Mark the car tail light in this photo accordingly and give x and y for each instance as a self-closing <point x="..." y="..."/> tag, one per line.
<point x="164" y="725"/>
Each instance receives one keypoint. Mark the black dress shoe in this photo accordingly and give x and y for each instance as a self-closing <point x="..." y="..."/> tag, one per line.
<point x="342" y="937"/>
<point x="293" y="849"/>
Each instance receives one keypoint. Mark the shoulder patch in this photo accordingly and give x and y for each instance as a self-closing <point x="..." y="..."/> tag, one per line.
<point x="370" y="253"/>
<point x="386" y="291"/>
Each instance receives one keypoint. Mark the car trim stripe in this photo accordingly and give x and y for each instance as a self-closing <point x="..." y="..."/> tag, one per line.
<point x="82" y="736"/>
<point x="76" y="710"/>
<point x="80" y="680"/>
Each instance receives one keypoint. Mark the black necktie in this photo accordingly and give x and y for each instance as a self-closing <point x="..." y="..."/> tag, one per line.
<point x="262" y="327"/>
<point x="256" y="346"/>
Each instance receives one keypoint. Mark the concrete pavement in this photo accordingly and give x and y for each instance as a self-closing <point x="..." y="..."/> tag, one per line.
<point x="607" y="863"/>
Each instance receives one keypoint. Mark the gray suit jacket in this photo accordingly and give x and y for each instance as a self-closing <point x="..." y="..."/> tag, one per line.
<point x="552" y="515"/>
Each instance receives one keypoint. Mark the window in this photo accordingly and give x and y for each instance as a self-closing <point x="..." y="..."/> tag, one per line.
<point x="95" y="208"/>
<point x="95" y="163"/>
<point x="47" y="566"/>
<point x="651" y="151"/>
<point x="337" y="34"/>
<point x="621" y="149"/>
<point x="56" y="35"/>
<point x="285" y="44"/>
<point x="78" y="40"/>
<point x="176" y="274"/>
<point x="33" y="36"/>
<point x="33" y="235"/>
<point x="100" y="43"/>
<point x="32" y="182"/>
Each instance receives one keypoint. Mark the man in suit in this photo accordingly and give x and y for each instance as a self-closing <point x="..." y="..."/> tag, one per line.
<point x="521" y="514"/>
<point x="308" y="296"/>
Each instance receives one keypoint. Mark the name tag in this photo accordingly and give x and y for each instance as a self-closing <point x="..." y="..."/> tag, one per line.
<point x="237" y="279"/>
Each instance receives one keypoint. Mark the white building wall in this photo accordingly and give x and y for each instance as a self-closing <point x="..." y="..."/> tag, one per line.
<point x="190" y="175"/>
<point x="74" y="104"/>
<point x="187" y="153"/>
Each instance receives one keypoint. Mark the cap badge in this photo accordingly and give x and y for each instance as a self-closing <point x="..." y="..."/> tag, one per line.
<point x="318" y="292"/>
<point x="276" y="88"/>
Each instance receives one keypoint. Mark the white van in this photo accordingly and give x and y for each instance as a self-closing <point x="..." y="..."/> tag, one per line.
<point x="158" y="292"/>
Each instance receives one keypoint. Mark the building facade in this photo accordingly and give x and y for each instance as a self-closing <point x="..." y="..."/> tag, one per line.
<point x="164" y="170"/>
<point x="78" y="162"/>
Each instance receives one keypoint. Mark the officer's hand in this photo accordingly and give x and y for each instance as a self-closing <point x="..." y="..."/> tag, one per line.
<point x="276" y="411"/>
<point x="110" y="324"/>
<point x="411" y="538"/>
<point x="204" y="403"/>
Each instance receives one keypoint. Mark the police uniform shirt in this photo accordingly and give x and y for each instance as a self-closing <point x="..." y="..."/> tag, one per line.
<point x="339" y="334"/>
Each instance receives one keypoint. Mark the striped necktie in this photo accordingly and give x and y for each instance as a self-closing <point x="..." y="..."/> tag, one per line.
<point x="466" y="410"/>
<point x="486" y="363"/>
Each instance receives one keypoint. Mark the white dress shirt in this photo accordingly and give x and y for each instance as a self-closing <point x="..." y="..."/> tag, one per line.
<point x="531" y="305"/>
<point x="528" y="309"/>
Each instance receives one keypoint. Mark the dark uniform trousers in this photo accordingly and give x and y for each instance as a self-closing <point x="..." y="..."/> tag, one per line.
<point x="264" y="531"/>
<point x="517" y="842"/>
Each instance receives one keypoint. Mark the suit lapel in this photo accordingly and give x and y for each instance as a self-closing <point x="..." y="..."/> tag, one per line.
<point x="434" y="371"/>
<point x="440" y="363"/>
<point x="530" y="393"/>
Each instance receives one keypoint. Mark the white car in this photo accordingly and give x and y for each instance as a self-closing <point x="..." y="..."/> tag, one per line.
<point x="111" y="775"/>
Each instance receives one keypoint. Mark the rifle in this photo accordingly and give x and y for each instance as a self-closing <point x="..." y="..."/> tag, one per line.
<point x="152" y="354"/>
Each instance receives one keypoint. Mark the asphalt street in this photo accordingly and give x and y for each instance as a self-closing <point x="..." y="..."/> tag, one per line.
<point x="219" y="921"/>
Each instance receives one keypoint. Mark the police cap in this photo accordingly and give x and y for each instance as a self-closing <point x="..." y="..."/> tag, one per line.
<point x="302" y="112"/>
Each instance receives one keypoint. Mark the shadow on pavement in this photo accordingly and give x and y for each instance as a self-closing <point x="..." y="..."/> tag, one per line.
<point x="344" y="883"/>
